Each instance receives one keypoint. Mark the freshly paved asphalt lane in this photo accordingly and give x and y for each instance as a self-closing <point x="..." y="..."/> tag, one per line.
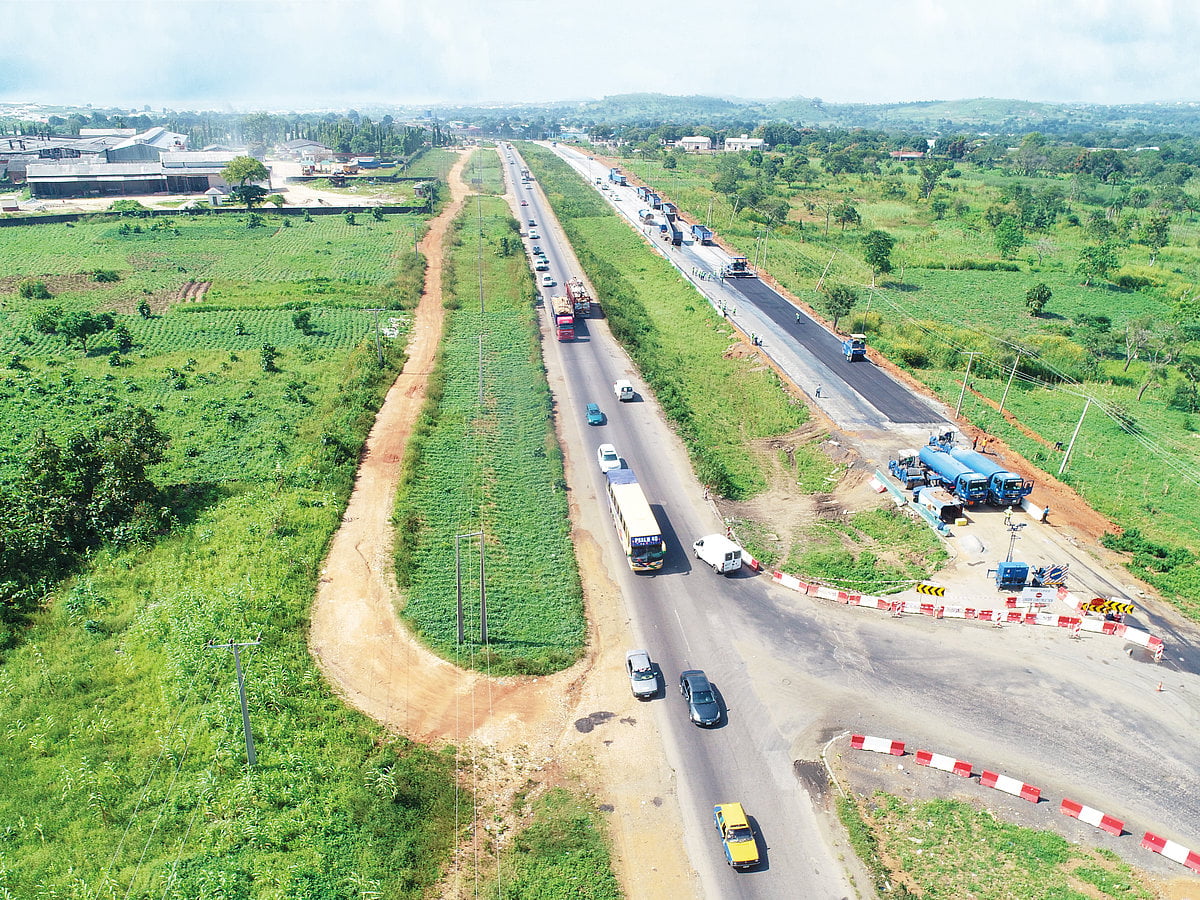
<point x="893" y="400"/>
<point x="1080" y="718"/>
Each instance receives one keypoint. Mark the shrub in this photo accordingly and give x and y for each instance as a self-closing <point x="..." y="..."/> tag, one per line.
<point x="105" y="275"/>
<point x="34" y="289"/>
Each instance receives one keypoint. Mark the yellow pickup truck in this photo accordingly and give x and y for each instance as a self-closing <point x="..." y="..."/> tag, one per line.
<point x="741" y="849"/>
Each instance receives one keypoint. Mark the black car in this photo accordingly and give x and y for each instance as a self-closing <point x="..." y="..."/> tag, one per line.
<point x="700" y="696"/>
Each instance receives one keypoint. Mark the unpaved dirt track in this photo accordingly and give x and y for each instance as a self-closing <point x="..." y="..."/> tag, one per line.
<point x="356" y="637"/>
<point x="534" y="728"/>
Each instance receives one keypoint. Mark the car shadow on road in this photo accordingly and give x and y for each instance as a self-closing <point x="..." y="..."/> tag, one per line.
<point x="678" y="559"/>
<point x="764" y="854"/>
<point x="723" y="720"/>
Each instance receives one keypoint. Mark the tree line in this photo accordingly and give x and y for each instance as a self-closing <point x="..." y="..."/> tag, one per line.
<point x="70" y="498"/>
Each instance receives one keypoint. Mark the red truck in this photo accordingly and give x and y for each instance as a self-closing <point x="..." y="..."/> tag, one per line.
<point x="563" y="311"/>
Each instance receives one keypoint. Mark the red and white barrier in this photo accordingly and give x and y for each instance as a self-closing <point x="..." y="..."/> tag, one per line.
<point x="945" y="763"/>
<point x="876" y="744"/>
<point x="750" y="561"/>
<point x="1092" y="817"/>
<point x="1007" y="615"/>
<point x="1172" y="851"/>
<point x="1010" y="786"/>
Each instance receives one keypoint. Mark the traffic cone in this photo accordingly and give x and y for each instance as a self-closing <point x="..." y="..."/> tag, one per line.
<point x="1159" y="688"/>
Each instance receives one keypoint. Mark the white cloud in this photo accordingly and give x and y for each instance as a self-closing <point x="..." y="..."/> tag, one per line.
<point x="307" y="53"/>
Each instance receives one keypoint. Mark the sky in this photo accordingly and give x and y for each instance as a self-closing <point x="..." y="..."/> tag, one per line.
<point x="335" y="54"/>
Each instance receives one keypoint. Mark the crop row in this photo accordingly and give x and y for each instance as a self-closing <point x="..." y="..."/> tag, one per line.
<point x="213" y="248"/>
<point x="495" y="468"/>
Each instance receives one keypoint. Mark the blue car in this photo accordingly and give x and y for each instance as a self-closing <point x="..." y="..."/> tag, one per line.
<point x="594" y="416"/>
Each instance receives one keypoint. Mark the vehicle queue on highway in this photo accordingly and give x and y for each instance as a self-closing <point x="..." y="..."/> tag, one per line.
<point x="648" y="546"/>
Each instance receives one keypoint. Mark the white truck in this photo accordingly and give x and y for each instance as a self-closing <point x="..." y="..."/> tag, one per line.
<point x="623" y="389"/>
<point x="719" y="552"/>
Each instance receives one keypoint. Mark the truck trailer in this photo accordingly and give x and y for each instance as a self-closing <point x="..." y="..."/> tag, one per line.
<point x="671" y="232"/>
<point x="615" y="176"/>
<point x="1005" y="488"/>
<point x="580" y="297"/>
<point x="969" y="487"/>
<point x="563" y="311"/>
<point x="703" y="234"/>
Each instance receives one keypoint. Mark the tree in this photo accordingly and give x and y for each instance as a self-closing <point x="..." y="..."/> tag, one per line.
<point x="1009" y="237"/>
<point x="1096" y="261"/>
<point x="45" y="320"/>
<point x="249" y="195"/>
<point x="144" y="309"/>
<point x="1156" y="233"/>
<point x="878" y="250"/>
<point x="837" y="301"/>
<point x="79" y="326"/>
<point x="1137" y="336"/>
<point x="267" y="357"/>
<point x="1037" y="297"/>
<point x="243" y="170"/>
<point x="845" y="213"/>
<point x="930" y="174"/>
<point x="302" y="320"/>
<point x="123" y="338"/>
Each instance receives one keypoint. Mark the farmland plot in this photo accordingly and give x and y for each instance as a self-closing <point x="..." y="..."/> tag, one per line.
<point x="495" y="468"/>
<point x="124" y="759"/>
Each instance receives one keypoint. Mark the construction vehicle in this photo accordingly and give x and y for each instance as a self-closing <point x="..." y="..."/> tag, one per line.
<point x="642" y="191"/>
<point x="670" y="231"/>
<point x="670" y="211"/>
<point x="703" y="234"/>
<point x="563" y="311"/>
<point x="939" y="502"/>
<point x="854" y="347"/>
<point x="615" y="176"/>
<point x="969" y="487"/>
<point x="738" y="267"/>
<point x="1005" y="488"/>
<point x="580" y="297"/>
<point x="654" y="200"/>
<point x="906" y="468"/>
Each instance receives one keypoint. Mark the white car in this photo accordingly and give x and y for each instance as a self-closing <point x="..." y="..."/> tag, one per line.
<point x="547" y="281"/>
<point x="606" y="456"/>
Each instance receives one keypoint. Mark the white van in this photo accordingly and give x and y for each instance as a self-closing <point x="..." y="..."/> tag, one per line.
<point x="623" y="389"/>
<point x="719" y="552"/>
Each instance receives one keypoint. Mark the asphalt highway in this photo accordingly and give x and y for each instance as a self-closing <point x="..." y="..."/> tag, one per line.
<point x="1081" y="718"/>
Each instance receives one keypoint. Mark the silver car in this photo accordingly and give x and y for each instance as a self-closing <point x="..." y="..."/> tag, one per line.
<point x="643" y="680"/>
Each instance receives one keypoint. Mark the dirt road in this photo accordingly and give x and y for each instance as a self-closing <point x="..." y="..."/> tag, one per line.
<point x="513" y="728"/>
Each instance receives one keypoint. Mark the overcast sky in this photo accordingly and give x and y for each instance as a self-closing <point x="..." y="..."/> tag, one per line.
<point x="307" y="54"/>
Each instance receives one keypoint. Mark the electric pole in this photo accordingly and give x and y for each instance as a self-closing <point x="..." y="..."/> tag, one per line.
<point x="237" y="661"/>
<point x="378" y="345"/>
<point x="1011" y="375"/>
<point x="1071" y="446"/>
<point x="971" y="354"/>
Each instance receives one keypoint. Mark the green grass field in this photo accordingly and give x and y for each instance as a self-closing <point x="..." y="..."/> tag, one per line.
<point x="925" y="313"/>
<point x="122" y="745"/>
<point x="947" y="849"/>
<point x="561" y="852"/>
<point x="495" y="468"/>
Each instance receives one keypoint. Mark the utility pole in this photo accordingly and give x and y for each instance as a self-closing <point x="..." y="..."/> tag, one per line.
<point x="708" y="218"/>
<point x="971" y="354"/>
<point x="1011" y="375"/>
<point x="1071" y="446"/>
<point x="378" y="345"/>
<point x="237" y="661"/>
<point x="482" y="591"/>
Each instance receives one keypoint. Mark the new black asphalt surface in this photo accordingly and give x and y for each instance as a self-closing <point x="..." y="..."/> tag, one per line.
<point x="893" y="400"/>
